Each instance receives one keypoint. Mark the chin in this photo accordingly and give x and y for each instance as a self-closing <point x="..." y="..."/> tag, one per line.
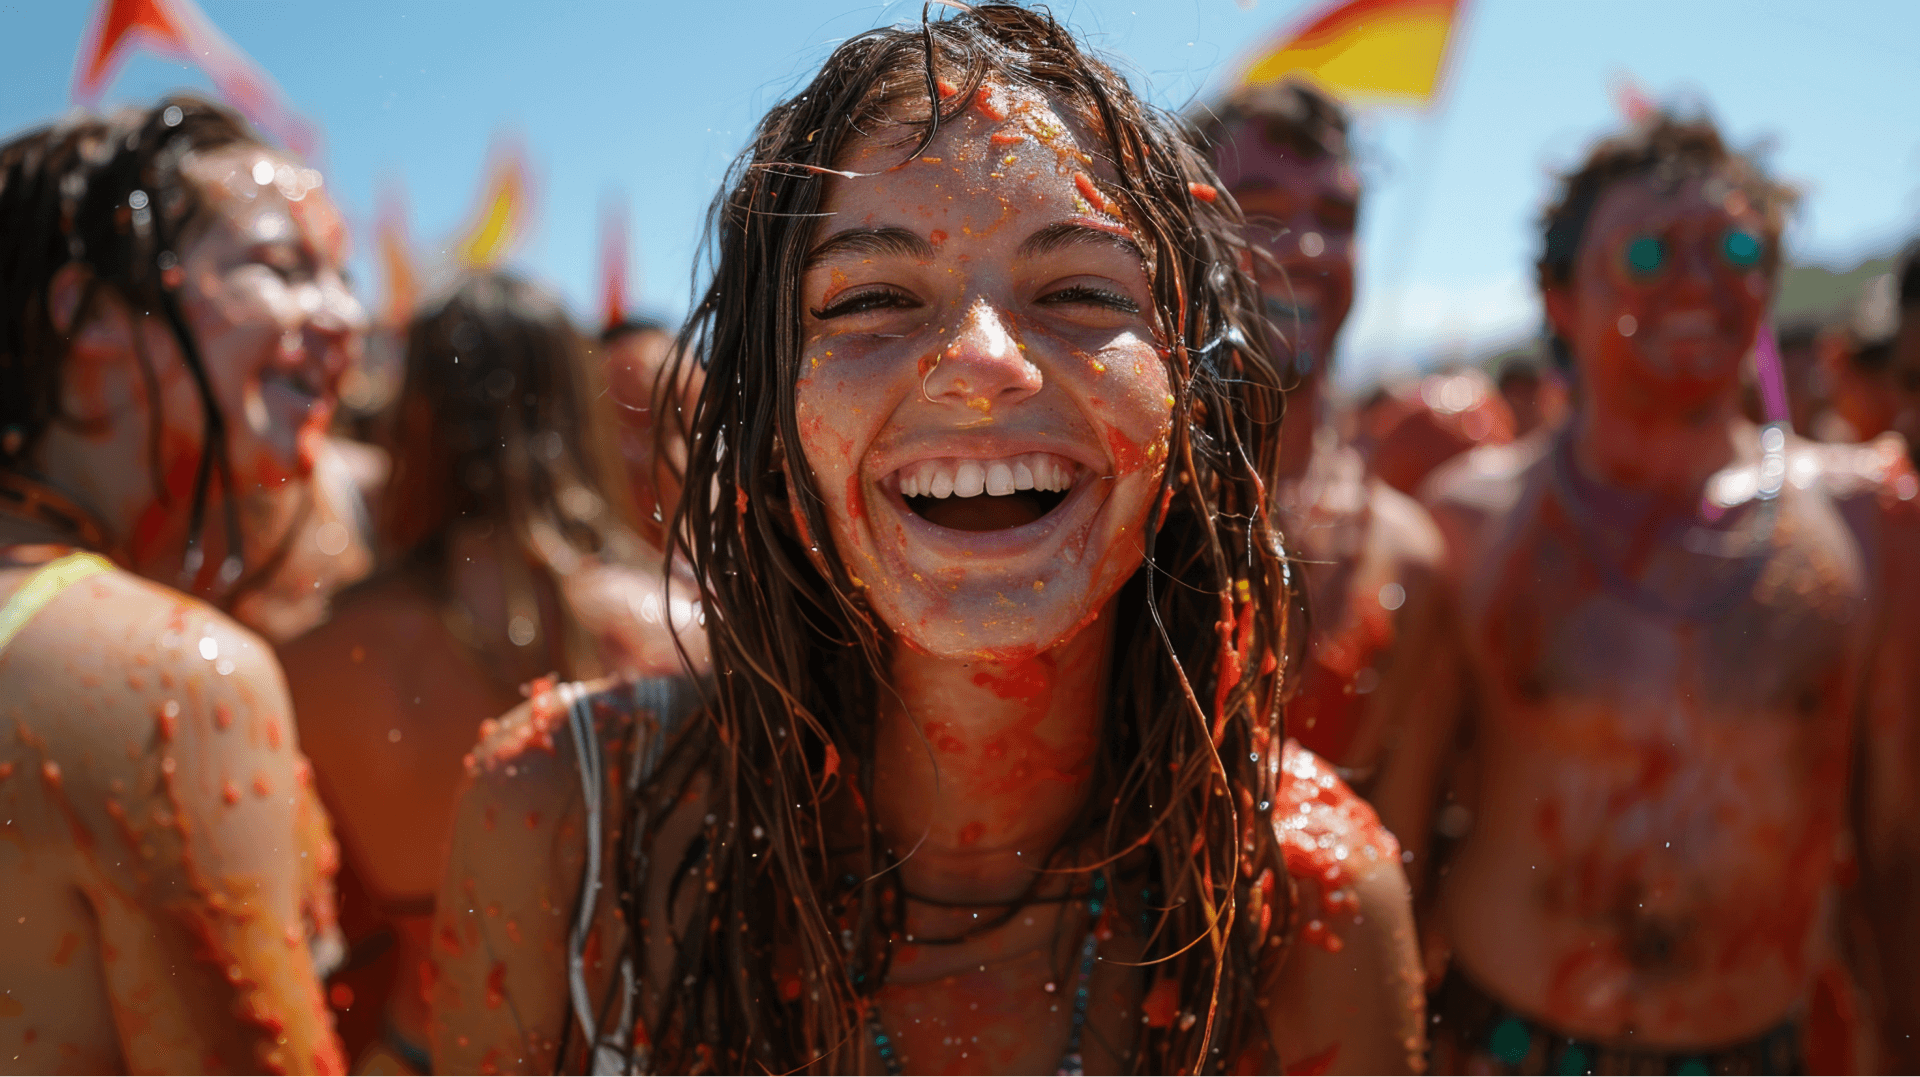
<point x="975" y="575"/>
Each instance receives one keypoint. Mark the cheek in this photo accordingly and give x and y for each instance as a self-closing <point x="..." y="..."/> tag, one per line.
<point x="1132" y="403"/>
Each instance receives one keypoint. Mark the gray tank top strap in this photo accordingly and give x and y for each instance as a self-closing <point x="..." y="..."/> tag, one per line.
<point x="660" y="706"/>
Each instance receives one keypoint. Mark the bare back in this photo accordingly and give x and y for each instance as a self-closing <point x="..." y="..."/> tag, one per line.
<point x="167" y="870"/>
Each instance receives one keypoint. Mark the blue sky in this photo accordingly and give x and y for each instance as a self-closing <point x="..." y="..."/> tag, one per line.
<point x="649" y="101"/>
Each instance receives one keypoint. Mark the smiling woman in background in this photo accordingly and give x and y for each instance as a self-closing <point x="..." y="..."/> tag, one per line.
<point x="172" y="326"/>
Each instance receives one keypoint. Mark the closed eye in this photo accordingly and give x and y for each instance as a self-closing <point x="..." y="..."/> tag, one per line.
<point x="860" y="302"/>
<point x="1091" y="296"/>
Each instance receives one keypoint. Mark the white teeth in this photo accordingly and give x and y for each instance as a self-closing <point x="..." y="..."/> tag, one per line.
<point x="969" y="479"/>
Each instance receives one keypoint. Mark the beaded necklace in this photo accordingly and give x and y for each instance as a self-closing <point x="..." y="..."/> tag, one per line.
<point x="1071" y="1063"/>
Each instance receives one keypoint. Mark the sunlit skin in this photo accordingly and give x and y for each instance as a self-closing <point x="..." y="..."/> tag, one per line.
<point x="390" y="697"/>
<point x="1364" y="545"/>
<point x="973" y="304"/>
<point x="632" y="363"/>
<point x="169" y="870"/>
<point x="1650" y="810"/>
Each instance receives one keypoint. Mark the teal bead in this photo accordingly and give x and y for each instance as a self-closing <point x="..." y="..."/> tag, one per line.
<point x="1511" y="1041"/>
<point x="1574" y="1060"/>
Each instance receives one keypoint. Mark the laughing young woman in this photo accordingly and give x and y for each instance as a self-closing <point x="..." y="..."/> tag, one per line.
<point x="990" y="776"/>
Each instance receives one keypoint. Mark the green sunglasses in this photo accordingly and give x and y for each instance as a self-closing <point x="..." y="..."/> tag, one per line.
<point x="1646" y="256"/>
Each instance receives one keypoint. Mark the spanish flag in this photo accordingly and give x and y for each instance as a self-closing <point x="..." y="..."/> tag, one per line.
<point x="500" y="220"/>
<point x="1388" y="50"/>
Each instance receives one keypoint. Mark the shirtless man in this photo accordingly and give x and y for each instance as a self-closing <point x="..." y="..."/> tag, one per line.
<point x="1282" y="151"/>
<point x="165" y="878"/>
<point x="1640" y="683"/>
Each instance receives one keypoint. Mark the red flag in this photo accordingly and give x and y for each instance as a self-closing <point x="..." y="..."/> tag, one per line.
<point x="178" y="29"/>
<point x="613" y="262"/>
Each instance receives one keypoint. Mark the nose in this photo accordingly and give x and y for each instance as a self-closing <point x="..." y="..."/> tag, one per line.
<point x="335" y="322"/>
<point x="983" y="366"/>
<point x="1694" y="272"/>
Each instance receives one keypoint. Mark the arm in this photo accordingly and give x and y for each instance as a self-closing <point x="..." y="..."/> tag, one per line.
<point x="1888" y="805"/>
<point x="1349" y="997"/>
<point x="1423" y="699"/>
<point x="213" y="929"/>
<point x="497" y="981"/>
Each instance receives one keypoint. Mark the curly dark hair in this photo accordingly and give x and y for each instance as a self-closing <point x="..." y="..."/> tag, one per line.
<point x="1290" y="112"/>
<point x="109" y="194"/>
<point x="1185" y="781"/>
<point x="1669" y="147"/>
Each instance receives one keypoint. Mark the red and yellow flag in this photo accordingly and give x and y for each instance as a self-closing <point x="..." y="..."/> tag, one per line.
<point x="177" y="29"/>
<point x="500" y="220"/>
<point x="1391" y="50"/>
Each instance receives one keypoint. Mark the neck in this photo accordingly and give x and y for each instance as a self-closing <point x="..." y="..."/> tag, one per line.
<point x="984" y="765"/>
<point x="1297" y="428"/>
<point x="1647" y="444"/>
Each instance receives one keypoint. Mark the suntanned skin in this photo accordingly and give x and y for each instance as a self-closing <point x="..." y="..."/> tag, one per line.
<point x="168" y="870"/>
<point x="1365" y="545"/>
<point x="1656" y="800"/>
<point x="632" y="363"/>
<point x="954" y="337"/>
<point x="390" y="698"/>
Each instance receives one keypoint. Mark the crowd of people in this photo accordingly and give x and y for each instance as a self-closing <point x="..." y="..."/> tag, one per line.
<point x="644" y="700"/>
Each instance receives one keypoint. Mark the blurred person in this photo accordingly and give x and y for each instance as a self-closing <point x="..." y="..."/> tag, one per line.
<point x="1623" y="764"/>
<point x="511" y="559"/>
<point x="1282" y="152"/>
<point x="634" y="352"/>
<point x="173" y="323"/>
<point x="1434" y="419"/>
<point x="991" y="774"/>
<point x="1535" y="395"/>
<point x="1856" y="362"/>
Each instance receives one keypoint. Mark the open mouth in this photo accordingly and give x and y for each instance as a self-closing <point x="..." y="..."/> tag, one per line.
<point x="987" y="495"/>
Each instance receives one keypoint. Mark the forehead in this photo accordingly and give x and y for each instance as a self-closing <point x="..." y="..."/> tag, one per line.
<point x="1007" y="152"/>
<point x="1248" y="159"/>
<point x="263" y="196"/>
<point x="1650" y="201"/>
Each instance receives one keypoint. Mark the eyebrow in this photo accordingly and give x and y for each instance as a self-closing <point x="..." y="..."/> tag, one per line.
<point x="871" y="241"/>
<point x="1068" y="233"/>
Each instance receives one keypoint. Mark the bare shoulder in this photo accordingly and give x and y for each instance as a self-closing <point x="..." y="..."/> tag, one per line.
<point x="1348" y="998"/>
<point x="1407" y="530"/>
<point x="1487" y="479"/>
<point x="117" y="674"/>
<point x="1482" y="485"/>
<point x="519" y="855"/>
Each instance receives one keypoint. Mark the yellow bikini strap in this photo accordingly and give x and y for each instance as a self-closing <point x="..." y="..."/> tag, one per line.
<point x="44" y="586"/>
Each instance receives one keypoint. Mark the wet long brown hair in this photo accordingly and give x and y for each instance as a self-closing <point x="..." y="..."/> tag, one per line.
<point x="109" y="194"/>
<point x="1184" y="780"/>
<point x="499" y="424"/>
